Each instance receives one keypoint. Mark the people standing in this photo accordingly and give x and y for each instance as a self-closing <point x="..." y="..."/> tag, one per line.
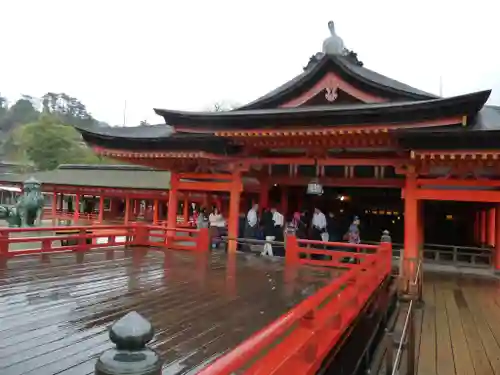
<point x="217" y="226"/>
<point x="318" y="229"/>
<point x="278" y="223"/>
<point x="331" y="227"/>
<point x="298" y="225"/>
<point x="251" y="224"/>
<point x="216" y="219"/>
<point x="318" y="225"/>
<point x="201" y="220"/>
<point x="353" y="234"/>
<point x="267" y="225"/>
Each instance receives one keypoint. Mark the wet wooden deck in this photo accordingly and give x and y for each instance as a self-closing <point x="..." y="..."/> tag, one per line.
<point x="55" y="310"/>
<point x="460" y="326"/>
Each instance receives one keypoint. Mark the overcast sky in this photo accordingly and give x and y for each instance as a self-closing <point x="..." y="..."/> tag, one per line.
<point x="190" y="54"/>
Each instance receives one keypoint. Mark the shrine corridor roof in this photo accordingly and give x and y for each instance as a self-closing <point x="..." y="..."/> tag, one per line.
<point x="108" y="176"/>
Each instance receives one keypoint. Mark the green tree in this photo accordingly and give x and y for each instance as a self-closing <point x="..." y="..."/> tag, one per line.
<point x="22" y="112"/>
<point x="47" y="143"/>
<point x="67" y="109"/>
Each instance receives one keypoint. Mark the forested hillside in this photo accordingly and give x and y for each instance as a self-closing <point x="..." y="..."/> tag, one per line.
<point x="39" y="131"/>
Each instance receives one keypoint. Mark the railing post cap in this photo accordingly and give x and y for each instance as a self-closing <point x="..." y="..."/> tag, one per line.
<point x="386" y="236"/>
<point x="131" y="333"/>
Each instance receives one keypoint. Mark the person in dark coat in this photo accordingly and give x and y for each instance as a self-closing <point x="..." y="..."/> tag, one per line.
<point x="332" y="228"/>
<point x="267" y="223"/>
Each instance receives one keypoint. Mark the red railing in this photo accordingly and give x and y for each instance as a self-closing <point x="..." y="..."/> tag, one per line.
<point x="299" y="340"/>
<point x="295" y="343"/>
<point x="23" y="241"/>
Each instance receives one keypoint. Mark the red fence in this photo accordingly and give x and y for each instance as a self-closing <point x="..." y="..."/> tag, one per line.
<point x="22" y="241"/>
<point x="299" y="340"/>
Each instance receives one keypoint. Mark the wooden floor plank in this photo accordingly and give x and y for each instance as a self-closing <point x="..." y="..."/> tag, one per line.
<point x="444" y="353"/>
<point x="486" y="319"/>
<point x="476" y="348"/>
<point x="427" y="348"/>
<point x="55" y="310"/>
<point x="461" y="354"/>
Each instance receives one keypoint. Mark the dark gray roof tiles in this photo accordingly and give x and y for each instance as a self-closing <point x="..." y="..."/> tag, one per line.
<point x="149" y="131"/>
<point x="110" y="176"/>
<point x="358" y="73"/>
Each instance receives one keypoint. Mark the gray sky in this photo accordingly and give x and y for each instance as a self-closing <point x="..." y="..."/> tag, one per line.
<point x="190" y="54"/>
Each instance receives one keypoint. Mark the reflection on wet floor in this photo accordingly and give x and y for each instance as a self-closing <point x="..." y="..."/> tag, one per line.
<point x="55" y="310"/>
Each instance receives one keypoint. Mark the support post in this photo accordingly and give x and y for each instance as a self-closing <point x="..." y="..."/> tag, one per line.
<point x="155" y="211"/>
<point x="483" y="227"/>
<point x="101" y="209"/>
<point x="412" y="213"/>
<point x="234" y="211"/>
<point x="185" y="209"/>
<point x="172" y="204"/>
<point x="76" y="209"/>
<point x="496" y="254"/>
<point x="127" y="210"/>
<point x="54" y="209"/>
<point x="491" y="226"/>
<point x="421" y="226"/>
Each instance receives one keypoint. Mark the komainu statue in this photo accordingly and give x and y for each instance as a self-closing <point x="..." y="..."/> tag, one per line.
<point x="27" y="212"/>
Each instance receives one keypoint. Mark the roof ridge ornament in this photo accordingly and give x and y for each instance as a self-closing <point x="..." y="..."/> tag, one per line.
<point x="334" y="45"/>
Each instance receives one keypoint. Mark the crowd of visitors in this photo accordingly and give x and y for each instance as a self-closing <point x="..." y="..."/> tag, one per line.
<point x="271" y="225"/>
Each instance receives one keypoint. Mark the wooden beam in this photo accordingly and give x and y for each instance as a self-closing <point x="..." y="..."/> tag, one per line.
<point x="483" y="196"/>
<point x="325" y="162"/>
<point x="205" y="176"/>
<point x="205" y="186"/>
<point x="458" y="182"/>
<point x="340" y="182"/>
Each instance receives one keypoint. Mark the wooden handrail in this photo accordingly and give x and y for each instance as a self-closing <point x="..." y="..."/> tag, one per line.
<point x="319" y="321"/>
<point x="85" y="237"/>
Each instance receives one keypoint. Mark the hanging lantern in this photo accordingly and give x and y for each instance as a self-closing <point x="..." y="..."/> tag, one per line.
<point x="314" y="188"/>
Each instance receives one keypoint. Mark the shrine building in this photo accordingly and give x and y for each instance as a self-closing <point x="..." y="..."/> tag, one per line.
<point x="337" y="125"/>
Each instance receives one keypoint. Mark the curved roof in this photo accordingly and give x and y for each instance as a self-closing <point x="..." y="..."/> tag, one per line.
<point x="359" y="76"/>
<point x="364" y="113"/>
<point x="156" y="138"/>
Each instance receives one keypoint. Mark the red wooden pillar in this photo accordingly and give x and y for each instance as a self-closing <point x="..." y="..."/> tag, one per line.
<point x="172" y="204"/>
<point x="491" y="226"/>
<point x="101" y="209"/>
<point x="127" y="211"/>
<point x="54" y="208"/>
<point x="411" y="225"/>
<point x="185" y="209"/>
<point x="155" y="211"/>
<point x="136" y="208"/>
<point x="496" y="257"/>
<point x="76" y="209"/>
<point x="234" y="211"/>
<point x="421" y="225"/>
<point x="483" y="227"/>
